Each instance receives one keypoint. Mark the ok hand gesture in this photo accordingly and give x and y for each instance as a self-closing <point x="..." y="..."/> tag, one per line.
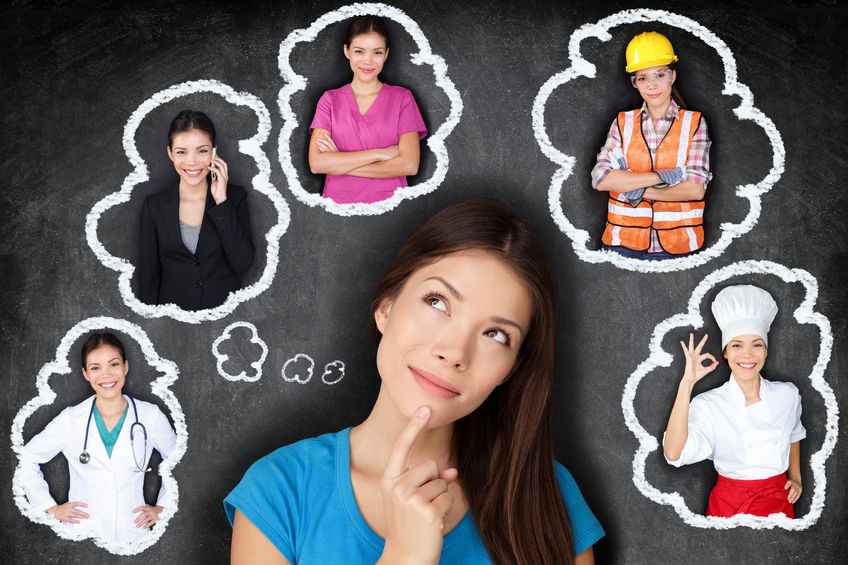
<point x="695" y="369"/>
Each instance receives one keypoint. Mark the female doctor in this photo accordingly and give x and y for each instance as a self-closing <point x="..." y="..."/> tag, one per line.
<point x="107" y="439"/>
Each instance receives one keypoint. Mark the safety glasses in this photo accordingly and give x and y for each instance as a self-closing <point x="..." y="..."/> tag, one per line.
<point x="657" y="77"/>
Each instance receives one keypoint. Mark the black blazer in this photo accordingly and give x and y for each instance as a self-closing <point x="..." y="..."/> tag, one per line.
<point x="169" y="273"/>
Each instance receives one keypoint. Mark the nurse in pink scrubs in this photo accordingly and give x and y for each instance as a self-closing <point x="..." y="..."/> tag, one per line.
<point x="366" y="135"/>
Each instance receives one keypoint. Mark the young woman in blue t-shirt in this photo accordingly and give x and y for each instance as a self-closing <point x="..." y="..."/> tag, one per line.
<point x="455" y="462"/>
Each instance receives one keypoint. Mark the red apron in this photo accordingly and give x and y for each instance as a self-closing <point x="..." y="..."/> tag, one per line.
<point x="760" y="497"/>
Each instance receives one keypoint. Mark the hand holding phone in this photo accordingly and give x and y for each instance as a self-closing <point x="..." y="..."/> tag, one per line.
<point x="212" y="165"/>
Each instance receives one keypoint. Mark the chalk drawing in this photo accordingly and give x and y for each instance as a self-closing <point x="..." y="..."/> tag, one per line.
<point x="804" y="314"/>
<point x="251" y="147"/>
<point x="334" y="371"/>
<point x="580" y="67"/>
<point x="46" y="396"/>
<point x="295" y="83"/>
<point x="220" y="358"/>
<point x="298" y="369"/>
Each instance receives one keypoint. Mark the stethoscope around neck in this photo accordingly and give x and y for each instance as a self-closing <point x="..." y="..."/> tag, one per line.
<point x="85" y="457"/>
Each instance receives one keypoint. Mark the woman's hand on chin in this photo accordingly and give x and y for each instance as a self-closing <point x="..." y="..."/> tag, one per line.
<point x="415" y="500"/>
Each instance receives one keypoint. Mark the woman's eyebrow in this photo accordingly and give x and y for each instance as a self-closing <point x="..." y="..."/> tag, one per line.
<point x="508" y="322"/>
<point x="458" y="295"/>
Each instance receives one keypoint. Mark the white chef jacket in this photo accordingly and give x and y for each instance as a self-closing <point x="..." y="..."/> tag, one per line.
<point x="111" y="487"/>
<point x="744" y="442"/>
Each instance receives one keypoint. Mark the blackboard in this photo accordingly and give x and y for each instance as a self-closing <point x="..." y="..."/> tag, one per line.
<point x="71" y="76"/>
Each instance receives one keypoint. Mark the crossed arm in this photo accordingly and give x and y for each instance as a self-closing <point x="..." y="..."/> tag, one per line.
<point x="384" y="162"/>
<point x="625" y="181"/>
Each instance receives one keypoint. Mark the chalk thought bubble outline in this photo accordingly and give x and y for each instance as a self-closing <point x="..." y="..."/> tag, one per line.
<point x="297" y="379"/>
<point x="221" y="358"/>
<point x="160" y="387"/>
<point x="804" y="314"/>
<point x="327" y="372"/>
<point x="252" y="147"/>
<point x="580" y="67"/>
<point x="295" y="83"/>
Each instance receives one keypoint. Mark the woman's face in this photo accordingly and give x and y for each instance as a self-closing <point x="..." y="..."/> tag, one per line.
<point x="746" y="355"/>
<point x="191" y="154"/>
<point x="654" y="84"/>
<point x="367" y="53"/>
<point x="452" y="335"/>
<point x="105" y="370"/>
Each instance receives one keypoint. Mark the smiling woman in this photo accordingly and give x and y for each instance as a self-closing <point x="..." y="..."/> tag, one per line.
<point x="195" y="237"/>
<point x="114" y="451"/>
<point x="366" y="135"/>
<point x="750" y="427"/>
<point x="454" y="464"/>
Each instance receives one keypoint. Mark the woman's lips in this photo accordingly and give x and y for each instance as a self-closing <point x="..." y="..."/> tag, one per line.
<point x="433" y="384"/>
<point x="110" y="385"/>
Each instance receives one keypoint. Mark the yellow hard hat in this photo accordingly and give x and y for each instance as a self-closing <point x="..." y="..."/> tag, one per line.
<point x="648" y="49"/>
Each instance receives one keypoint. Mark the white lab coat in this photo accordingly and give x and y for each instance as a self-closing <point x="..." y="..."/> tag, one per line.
<point x="111" y="487"/>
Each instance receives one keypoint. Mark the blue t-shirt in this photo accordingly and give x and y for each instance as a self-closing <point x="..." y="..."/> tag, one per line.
<point x="301" y="497"/>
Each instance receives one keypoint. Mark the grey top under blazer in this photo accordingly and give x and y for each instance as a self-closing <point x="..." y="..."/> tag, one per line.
<point x="168" y="273"/>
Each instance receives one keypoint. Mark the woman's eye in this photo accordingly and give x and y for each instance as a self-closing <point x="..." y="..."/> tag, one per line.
<point x="498" y="335"/>
<point x="436" y="302"/>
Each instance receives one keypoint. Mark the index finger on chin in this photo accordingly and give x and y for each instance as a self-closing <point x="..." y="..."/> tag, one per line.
<point x="399" y="456"/>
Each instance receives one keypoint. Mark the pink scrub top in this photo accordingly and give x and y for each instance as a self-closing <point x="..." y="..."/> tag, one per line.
<point x="393" y="113"/>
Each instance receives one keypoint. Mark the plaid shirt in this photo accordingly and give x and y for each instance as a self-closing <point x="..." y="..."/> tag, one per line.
<point x="697" y="161"/>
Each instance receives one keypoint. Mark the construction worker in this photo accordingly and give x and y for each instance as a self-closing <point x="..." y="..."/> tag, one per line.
<point x="655" y="163"/>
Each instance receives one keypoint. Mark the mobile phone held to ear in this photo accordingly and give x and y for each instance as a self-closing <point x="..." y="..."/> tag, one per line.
<point x="214" y="154"/>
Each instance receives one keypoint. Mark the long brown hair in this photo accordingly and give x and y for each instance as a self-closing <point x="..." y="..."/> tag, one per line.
<point x="504" y="449"/>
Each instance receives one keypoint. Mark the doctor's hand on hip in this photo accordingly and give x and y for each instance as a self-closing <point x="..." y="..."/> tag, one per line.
<point x="68" y="512"/>
<point x="149" y="515"/>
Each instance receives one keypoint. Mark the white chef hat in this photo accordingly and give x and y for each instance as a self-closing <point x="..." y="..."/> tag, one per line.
<point x="743" y="309"/>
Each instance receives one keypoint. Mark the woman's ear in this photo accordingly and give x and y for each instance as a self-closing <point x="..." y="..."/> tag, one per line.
<point x="381" y="314"/>
<point x="673" y="76"/>
<point x="84" y="374"/>
<point x="168" y="151"/>
<point x="346" y="52"/>
<point x="386" y="56"/>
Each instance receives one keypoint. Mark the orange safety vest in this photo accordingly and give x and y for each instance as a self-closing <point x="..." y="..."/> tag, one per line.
<point x="679" y="225"/>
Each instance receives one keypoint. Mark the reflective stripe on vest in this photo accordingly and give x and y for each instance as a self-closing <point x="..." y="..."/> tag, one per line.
<point x="679" y="225"/>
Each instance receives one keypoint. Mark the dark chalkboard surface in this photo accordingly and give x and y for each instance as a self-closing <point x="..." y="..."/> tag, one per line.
<point x="71" y="76"/>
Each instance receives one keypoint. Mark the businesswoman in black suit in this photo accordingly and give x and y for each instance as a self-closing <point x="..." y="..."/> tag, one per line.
<point x="195" y="236"/>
